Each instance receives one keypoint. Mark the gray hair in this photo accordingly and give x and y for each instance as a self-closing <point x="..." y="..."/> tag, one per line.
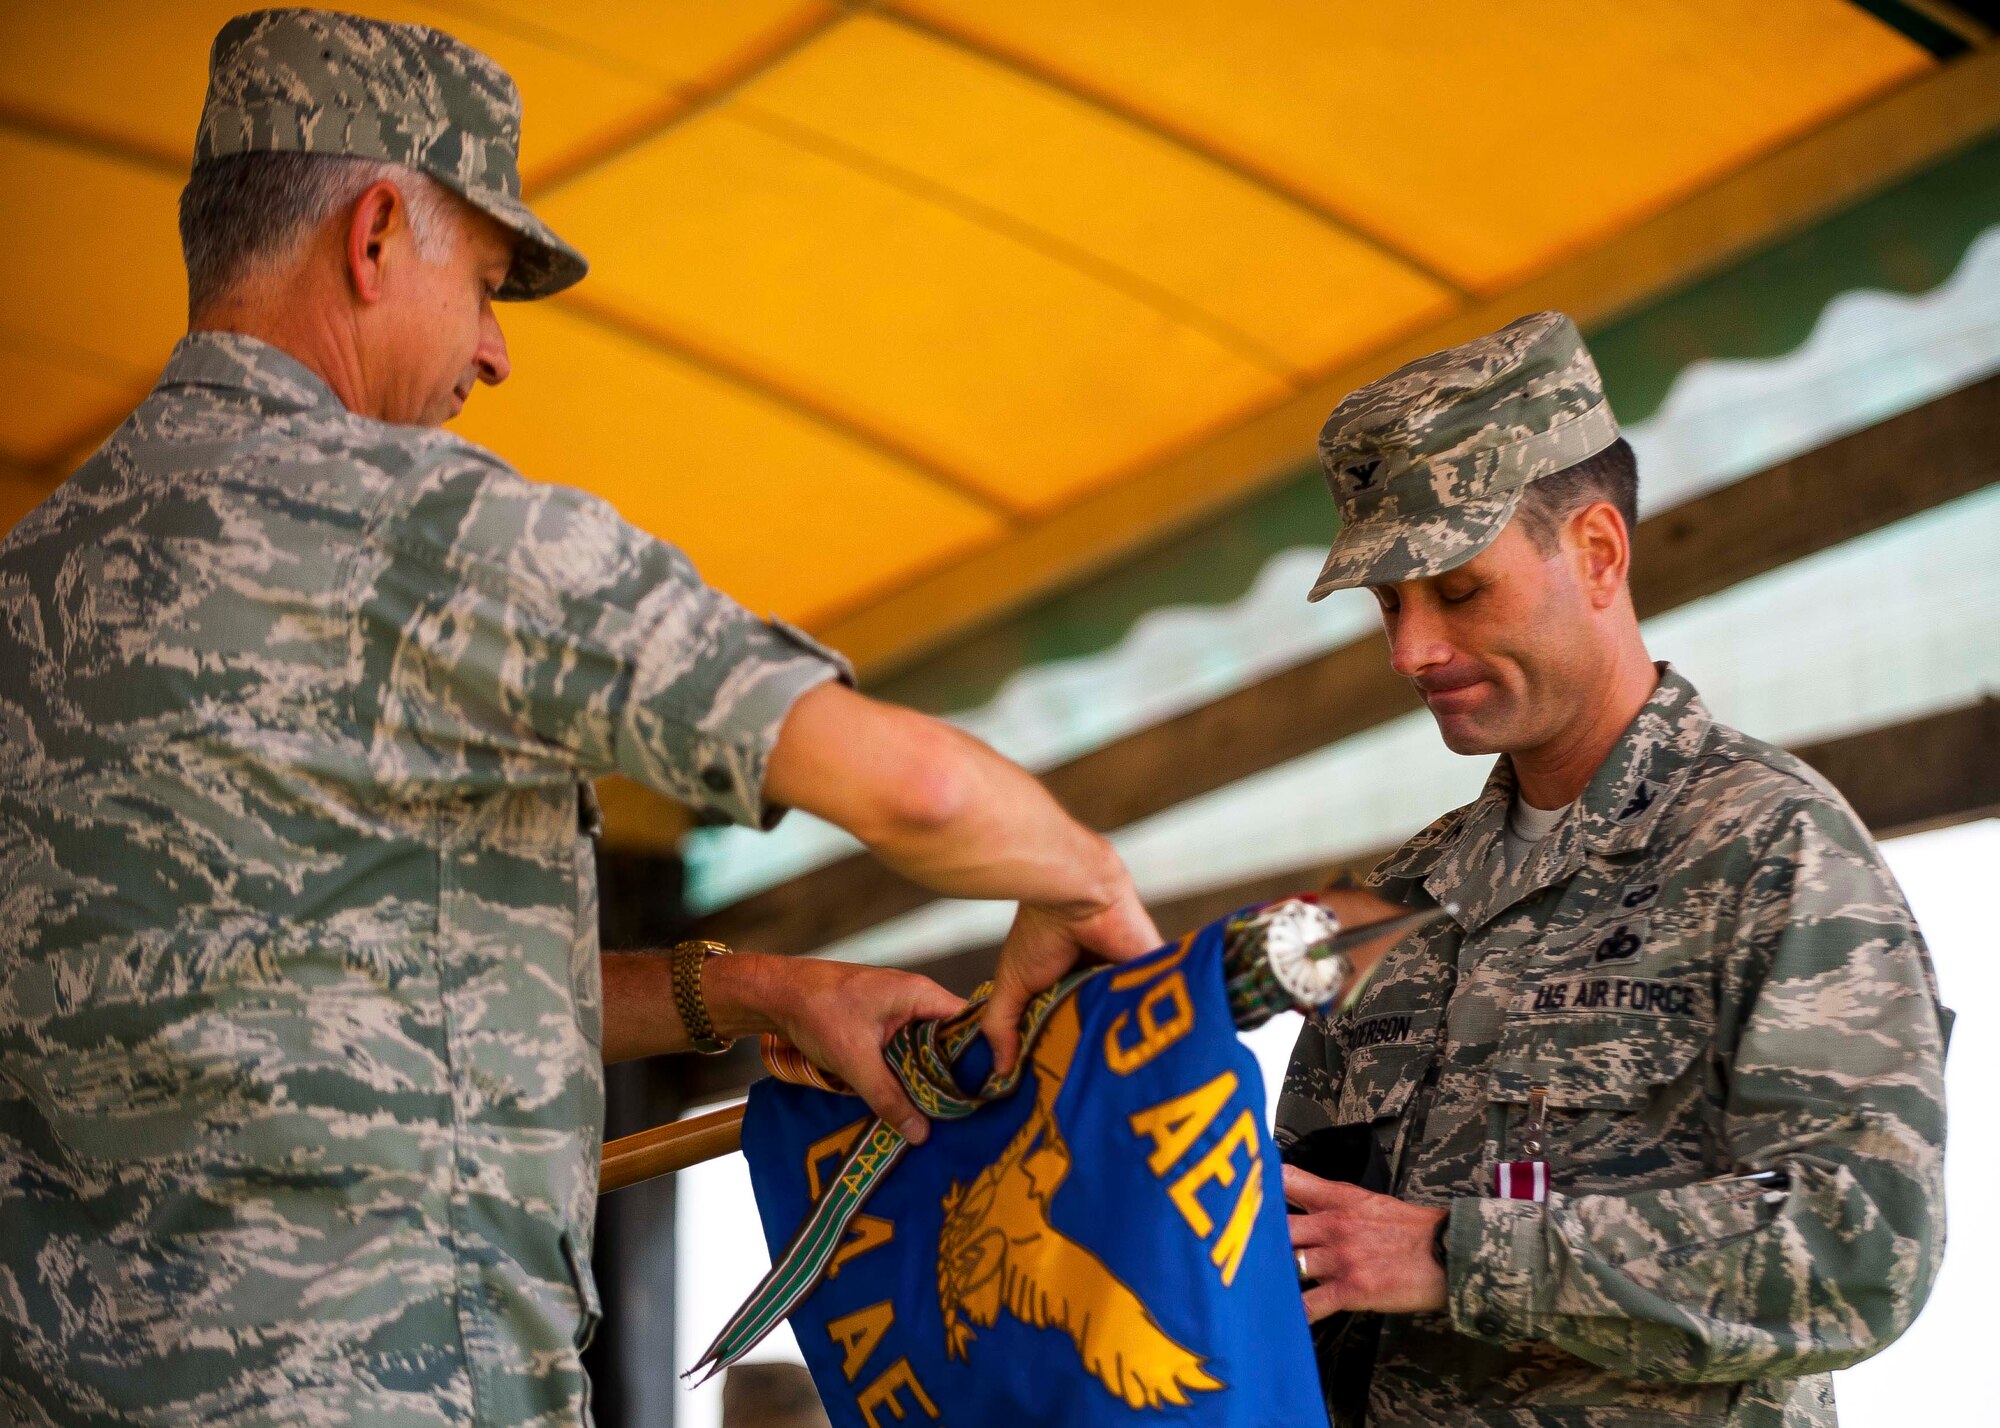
<point x="250" y="210"/>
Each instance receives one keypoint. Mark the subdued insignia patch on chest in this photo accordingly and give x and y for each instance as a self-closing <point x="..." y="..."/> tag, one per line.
<point x="1646" y="995"/>
<point x="1620" y="943"/>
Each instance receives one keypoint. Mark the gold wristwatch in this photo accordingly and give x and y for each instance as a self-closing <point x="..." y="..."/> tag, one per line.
<point x="688" y="959"/>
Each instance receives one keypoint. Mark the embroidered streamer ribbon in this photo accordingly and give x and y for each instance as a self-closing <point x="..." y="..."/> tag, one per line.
<point x="922" y="1055"/>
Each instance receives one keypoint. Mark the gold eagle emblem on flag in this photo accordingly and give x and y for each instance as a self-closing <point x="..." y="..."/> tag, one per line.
<point x="997" y="1251"/>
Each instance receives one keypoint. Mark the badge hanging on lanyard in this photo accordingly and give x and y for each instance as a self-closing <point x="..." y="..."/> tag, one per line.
<point x="1527" y="1178"/>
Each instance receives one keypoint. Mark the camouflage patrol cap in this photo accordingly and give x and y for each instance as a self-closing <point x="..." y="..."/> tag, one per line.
<point x="321" y="82"/>
<point x="1428" y="463"/>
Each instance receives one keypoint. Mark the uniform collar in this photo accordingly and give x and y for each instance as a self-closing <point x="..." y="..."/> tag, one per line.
<point x="1459" y="859"/>
<point x="235" y="362"/>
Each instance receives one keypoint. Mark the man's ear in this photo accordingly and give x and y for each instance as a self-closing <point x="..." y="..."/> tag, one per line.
<point x="1602" y="547"/>
<point x="378" y="215"/>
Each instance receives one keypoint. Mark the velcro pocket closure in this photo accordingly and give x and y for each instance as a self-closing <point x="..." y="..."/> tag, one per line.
<point x="1600" y="1043"/>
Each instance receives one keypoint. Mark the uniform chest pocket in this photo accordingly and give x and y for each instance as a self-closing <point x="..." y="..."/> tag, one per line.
<point x="1588" y="1061"/>
<point x="1623" y="1097"/>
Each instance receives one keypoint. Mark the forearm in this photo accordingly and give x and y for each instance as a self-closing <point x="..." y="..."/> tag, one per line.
<point x="946" y="811"/>
<point x="839" y="1014"/>
<point x="640" y="1018"/>
<point x="937" y="805"/>
<point x="1002" y="835"/>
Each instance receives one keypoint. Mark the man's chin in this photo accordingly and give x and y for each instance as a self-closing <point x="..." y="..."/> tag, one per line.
<point x="1463" y="734"/>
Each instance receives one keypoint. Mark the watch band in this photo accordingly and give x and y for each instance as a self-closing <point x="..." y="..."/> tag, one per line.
<point x="1438" y="1242"/>
<point x="688" y="959"/>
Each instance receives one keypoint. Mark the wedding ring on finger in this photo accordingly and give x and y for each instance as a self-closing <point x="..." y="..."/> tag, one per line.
<point x="1299" y="1259"/>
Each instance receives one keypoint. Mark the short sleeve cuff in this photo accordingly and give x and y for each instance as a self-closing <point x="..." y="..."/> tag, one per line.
<point x="1496" y="1264"/>
<point x="715" y="755"/>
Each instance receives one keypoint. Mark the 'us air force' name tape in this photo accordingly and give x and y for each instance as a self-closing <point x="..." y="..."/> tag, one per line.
<point x="1629" y="994"/>
<point x="1626" y="994"/>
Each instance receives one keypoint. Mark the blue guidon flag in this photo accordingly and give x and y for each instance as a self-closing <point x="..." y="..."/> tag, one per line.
<point x="1106" y="1244"/>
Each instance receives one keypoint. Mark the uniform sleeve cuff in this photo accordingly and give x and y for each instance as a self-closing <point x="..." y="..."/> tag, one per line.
<point x="1496" y="1268"/>
<point x="711" y="747"/>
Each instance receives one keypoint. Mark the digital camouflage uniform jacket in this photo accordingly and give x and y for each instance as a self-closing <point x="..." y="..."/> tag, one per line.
<point x="1710" y="970"/>
<point x="300" y="1080"/>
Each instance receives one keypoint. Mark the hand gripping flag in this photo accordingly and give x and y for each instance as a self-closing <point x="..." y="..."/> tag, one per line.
<point x="1098" y="1238"/>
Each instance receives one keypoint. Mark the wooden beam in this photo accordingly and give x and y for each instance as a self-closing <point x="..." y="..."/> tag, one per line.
<point x="1829" y="169"/>
<point x="1847" y="488"/>
<point x="1910" y="463"/>
<point x="667" y="1148"/>
<point x="1928" y="772"/>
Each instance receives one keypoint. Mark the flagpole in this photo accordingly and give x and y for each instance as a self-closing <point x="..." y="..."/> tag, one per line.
<point x="673" y="1146"/>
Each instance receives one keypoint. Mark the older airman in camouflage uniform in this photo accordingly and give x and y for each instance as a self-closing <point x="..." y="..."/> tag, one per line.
<point x="301" y="1010"/>
<point x="1702" y="971"/>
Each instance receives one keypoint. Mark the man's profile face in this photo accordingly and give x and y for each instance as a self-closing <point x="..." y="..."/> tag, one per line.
<point x="1503" y="649"/>
<point x="438" y="335"/>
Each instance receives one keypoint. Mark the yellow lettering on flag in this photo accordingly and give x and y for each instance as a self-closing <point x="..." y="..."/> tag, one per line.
<point x="1228" y="1252"/>
<point x="1218" y="1165"/>
<point x="883" y="1392"/>
<point x="829" y="1147"/>
<point x="858" y="1334"/>
<point x="1155" y="1035"/>
<point x="1177" y="1124"/>
<point x="864" y="1233"/>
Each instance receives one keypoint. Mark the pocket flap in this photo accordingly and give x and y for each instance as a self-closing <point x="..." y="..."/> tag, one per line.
<point x="1592" y="1052"/>
<point x="1380" y="1081"/>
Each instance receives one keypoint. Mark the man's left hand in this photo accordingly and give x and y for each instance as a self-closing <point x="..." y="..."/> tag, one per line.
<point x="1366" y="1251"/>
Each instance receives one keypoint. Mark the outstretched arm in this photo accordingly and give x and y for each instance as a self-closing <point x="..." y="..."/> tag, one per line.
<point x="945" y="811"/>
<point x="839" y="1014"/>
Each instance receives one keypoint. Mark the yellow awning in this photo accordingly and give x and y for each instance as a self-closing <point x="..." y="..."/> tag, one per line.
<point x="880" y="290"/>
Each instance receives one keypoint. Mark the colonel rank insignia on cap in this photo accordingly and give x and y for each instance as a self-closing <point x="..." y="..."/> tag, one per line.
<point x="1428" y="463"/>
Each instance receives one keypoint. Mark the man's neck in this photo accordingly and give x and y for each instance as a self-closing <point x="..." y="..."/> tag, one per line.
<point x="301" y="329"/>
<point x="1556" y="773"/>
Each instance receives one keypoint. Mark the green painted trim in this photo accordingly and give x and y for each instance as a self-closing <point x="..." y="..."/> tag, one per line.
<point x="1908" y="239"/>
<point x="1212" y="565"/>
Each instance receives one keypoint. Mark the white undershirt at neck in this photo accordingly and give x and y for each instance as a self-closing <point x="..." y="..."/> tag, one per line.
<point x="1527" y="825"/>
